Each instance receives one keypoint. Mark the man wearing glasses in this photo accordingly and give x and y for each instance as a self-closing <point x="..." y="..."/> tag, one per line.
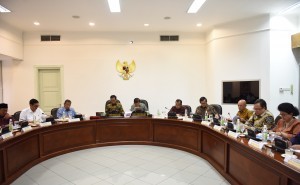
<point x="260" y="117"/>
<point x="33" y="113"/>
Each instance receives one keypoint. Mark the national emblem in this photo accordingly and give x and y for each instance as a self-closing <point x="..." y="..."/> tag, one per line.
<point x="125" y="69"/>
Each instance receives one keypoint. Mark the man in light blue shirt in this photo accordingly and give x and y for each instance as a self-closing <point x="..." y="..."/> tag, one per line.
<point x="66" y="110"/>
<point x="138" y="106"/>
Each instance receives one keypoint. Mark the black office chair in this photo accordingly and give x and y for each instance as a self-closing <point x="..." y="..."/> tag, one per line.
<point x="54" y="113"/>
<point x="188" y="108"/>
<point x="218" y="108"/>
<point x="145" y="103"/>
<point x="16" y="115"/>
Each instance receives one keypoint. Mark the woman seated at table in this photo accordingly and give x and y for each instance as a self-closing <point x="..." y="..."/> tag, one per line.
<point x="288" y="126"/>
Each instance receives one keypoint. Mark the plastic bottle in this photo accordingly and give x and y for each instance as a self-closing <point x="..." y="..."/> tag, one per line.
<point x="185" y="113"/>
<point x="10" y="125"/>
<point x="206" y="116"/>
<point x="64" y="115"/>
<point x="238" y="126"/>
<point x="265" y="134"/>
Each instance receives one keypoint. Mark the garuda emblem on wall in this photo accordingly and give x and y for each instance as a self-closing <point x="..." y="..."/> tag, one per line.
<point x="126" y="70"/>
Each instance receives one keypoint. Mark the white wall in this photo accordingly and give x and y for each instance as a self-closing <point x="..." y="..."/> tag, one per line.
<point x="238" y="51"/>
<point x="196" y="66"/>
<point x="165" y="71"/>
<point x="284" y="69"/>
<point x="11" y="42"/>
<point x="251" y="50"/>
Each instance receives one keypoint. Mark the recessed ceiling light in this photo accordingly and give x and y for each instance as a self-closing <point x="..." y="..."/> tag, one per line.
<point x="167" y="18"/>
<point x="199" y="25"/>
<point x="91" y="23"/>
<point x="4" y="10"/>
<point x="131" y="42"/>
<point x="76" y="16"/>
<point x="146" y="25"/>
<point x="36" y="23"/>
<point x="196" y="5"/>
<point x="114" y="5"/>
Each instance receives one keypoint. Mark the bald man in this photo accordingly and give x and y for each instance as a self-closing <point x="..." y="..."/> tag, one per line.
<point x="244" y="114"/>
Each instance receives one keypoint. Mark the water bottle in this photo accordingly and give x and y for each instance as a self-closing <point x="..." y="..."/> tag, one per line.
<point x="70" y="114"/>
<point x="158" y="112"/>
<point x="185" y="113"/>
<point x="206" y="116"/>
<point x="265" y="134"/>
<point x="10" y="125"/>
<point x="238" y="126"/>
<point x="64" y="115"/>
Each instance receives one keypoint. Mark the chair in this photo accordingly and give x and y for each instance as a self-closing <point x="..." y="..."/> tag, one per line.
<point x="277" y="119"/>
<point x="16" y="115"/>
<point x="145" y="103"/>
<point x="54" y="113"/>
<point x="188" y="108"/>
<point x="218" y="108"/>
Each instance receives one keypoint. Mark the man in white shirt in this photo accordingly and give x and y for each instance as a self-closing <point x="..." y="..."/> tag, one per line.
<point x="33" y="113"/>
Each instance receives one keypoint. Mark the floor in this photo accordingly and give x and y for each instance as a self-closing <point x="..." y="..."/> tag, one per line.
<point x="127" y="164"/>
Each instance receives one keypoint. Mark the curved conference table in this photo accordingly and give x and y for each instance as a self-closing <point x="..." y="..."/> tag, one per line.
<point x="233" y="158"/>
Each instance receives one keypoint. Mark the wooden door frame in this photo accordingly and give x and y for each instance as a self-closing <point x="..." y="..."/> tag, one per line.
<point x="36" y="77"/>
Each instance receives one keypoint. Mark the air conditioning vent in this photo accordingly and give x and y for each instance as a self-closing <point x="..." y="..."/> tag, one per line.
<point x="169" y="38"/>
<point x="174" y="38"/>
<point x="45" y="38"/>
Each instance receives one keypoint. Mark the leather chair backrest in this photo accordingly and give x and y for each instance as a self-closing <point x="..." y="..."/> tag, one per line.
<point x="145" y="103"/>
<point x="277" y="119"/>
<point x="189" y="109"/>
<point x="54" y="112"/>
<point x="218" y="108"/>
<point x="16" y="115"/>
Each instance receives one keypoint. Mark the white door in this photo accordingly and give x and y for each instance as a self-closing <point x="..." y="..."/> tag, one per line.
<point x="49" y="89"/>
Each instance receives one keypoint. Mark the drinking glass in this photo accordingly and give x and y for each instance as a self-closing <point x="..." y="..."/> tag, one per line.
<point x="242" y="128"/>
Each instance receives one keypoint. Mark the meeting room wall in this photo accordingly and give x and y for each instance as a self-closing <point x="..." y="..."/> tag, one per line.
<point x="11" y="42"/>
<point x="250" y="50"/>
<point x="165" y="70"/>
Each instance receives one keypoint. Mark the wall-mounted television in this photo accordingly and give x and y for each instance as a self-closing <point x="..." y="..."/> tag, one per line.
<point x="233" y="91"/>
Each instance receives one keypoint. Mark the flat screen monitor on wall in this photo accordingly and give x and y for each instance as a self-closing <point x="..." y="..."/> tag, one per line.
<point x="235" y="90"/>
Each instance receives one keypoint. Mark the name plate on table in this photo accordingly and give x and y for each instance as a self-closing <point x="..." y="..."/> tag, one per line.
<point x="187" y="119"/>
<point x="26" y="129"/>
<point x="46" y="124"/>
<point x="256" y="144"/>
<point x="7" y="135"/>
<point x="293" y="162"/>
<point x="233" y="134"/>
<point x="74" y="120"/>
<point x="206" y="123"/>
<point x="218" y="128"/>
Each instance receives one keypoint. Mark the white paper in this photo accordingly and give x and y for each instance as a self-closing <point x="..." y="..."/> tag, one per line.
<point x="217" y="128"/>
<point x="26" y="129"/>
<point x="74" y="120"/>
<point x="7" y="135"/>
<point x="256" y="144"/>
<point x="206" y="123"/>
<point x="46" y="124"/>
<point x="233" y="134"/>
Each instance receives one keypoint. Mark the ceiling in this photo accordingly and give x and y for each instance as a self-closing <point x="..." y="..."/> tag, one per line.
<point x="56" y="15"/>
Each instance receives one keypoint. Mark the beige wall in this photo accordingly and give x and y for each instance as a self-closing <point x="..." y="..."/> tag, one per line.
<point x="11" y="42"/>
<point x="165" y="71"/>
